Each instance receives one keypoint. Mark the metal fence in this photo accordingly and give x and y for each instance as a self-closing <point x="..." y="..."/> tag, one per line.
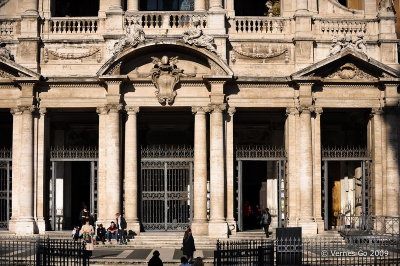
<point x="369" y="225"/>
<point x="42" y="251"/>
<point x="379" y="250"/>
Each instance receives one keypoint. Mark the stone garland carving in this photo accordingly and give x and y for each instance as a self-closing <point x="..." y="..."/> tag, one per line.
<point x="134" y="35"/>
<point x="194" y="36"/>
<point x="5" y="52"/>
<point x="271" y="54"/>
<point x="344" y="42"/>
<point x="90" y="52"/>
<point x="165" y="76"/>
<point x="350" y="71"/>
<point x="386" y="6"/>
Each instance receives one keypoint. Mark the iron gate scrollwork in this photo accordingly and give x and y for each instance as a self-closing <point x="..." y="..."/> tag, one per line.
<point x="166" y="186"/>
<point x="5" y="188"/>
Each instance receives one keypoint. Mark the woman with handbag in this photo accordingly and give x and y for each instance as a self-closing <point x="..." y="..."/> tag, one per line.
<point x="87" y="236"/>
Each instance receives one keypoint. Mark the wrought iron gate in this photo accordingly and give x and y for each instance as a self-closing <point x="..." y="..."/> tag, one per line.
<point x="263" y="153"/>
<point x="5" y="188"/>
<point x="348" y="154"/>
<point x="71" y="154"/>
<point x="166" y="188"/>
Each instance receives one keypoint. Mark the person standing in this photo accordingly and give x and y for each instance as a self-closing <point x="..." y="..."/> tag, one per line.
<point x="266" y="221"/>
<point x="87" y="233"/>
<point x="188" y="246"/>
<point x="155" y="260"/>
<point x="83" y="215"/>
<point x="121" y="225"/>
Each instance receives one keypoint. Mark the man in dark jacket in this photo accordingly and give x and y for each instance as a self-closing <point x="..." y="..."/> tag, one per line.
<point x="266" y="221"/>
<point x="155" y="260"/>
<point x="121" y="225"/>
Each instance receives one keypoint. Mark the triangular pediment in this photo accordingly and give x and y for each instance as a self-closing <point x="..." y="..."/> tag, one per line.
<point x="348" y="65"/>
<point x="11" y="70"/>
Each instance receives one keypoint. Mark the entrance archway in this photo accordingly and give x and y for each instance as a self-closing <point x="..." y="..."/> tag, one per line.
<point x="261" y="157"/>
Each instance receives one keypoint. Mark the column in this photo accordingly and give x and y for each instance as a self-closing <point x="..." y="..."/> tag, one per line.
<point x="23" y="183"/>
<point x="302" y="5"/>
<point x="31" y="7"/>
<point x="113" y="175"/>
<point x="217" y="225"/>
<point x="290" y="146"/>
<point x="112" y="11"/>
<point x="200" y="223"/>
<point x="41" y="170"/>
<point x="230" y="173"/>
<point x="305" y="173"/>
<point x="102" y="197"/>
<point x="376" y="141"/>
<point x="392" y="162"/>
<point x="215" y="4"/>
<point x="317" y="179"/>
<point x="131" y="170"/>
<point x="199" y="5"/>
<point x="133" y="5"/>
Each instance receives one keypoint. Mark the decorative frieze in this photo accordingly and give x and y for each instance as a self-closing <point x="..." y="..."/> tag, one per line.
<point x="350" y="71"/>
<point x="72" y="52"/>
<point x="260" y="51"/>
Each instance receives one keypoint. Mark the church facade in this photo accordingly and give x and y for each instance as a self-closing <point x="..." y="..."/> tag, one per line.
<point x="199" y="113"/>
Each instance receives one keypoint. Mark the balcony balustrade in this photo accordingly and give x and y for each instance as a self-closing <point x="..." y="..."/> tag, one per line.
<point x="58" y="27"/>
<point x="260" y="27"/>
<point x="8" y="28"/>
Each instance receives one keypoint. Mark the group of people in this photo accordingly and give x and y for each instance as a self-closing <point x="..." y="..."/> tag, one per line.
<point x="116" y="230"/>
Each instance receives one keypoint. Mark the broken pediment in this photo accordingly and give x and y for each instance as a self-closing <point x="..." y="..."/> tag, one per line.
<point x="11" y="70"/>
<point x="348" y="65"/>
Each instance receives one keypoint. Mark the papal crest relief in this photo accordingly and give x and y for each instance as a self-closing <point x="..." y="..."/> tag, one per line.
<point x="165" y="76"/>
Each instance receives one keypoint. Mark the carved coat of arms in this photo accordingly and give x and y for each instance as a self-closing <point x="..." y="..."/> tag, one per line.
<point x="165" y="75"/>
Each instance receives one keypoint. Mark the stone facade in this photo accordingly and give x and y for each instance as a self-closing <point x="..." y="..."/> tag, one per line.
<point x="315" y="57"/>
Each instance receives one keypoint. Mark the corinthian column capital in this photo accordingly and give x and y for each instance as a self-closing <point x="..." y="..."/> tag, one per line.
<point x="231" y="111"/>
<point x="21" y="109"/>
<point x="200" y="109"/>
<point x="217" y="108"/>
<point x="132" y="110"/>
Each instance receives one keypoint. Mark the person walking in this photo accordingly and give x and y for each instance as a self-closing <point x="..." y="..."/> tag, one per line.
<point x="188" y="246"/>
<point x="155" y="260"/>
<point x="87" y="233"/>
<point x="121" y="225"/>
<point x="266" y="221"/>
<point x="83" y="216"/>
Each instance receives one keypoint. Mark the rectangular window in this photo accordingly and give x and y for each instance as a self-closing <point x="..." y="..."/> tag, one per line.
<point x="167" y="5"/>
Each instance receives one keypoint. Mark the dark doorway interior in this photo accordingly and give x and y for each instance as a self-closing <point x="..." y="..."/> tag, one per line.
<point x="254" y="173"/>
<point x="75" y="8"/>
<point x="80" y="190"/>
<point x="167" y="5"/>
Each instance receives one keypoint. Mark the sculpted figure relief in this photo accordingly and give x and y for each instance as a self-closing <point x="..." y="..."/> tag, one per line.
<point x="165" y="75"/>
<point x="5" y="52"/>
<point x="194" y="36"/>
<point x="341" y="43"/>
<point x="386" y="6"/>
<point x="134" y="36"/>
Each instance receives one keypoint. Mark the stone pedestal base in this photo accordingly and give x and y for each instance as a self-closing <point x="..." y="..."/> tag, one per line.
<point x="41" y="226"/>
<point x="133" y="225"/>
<point x="218" y="229"/>
<point x="320" y="225"/>
<point x="200" y="227"/>
<point x="308" y="227"/>
<point x="22" y="226"/>
<point x="232" y="227"/>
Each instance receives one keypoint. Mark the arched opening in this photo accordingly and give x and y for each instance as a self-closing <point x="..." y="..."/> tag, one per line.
<point x="75" y="8"/>
<point x="352" y="4"/>
<point x="270" y="8"/>
<point x="166" y="5"/>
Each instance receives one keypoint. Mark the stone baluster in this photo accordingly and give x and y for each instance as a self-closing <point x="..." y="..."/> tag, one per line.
<point x="131" y="178"/>
<point x="217" y="225"/>
<point x="230" y="173"/>
<point x="200" y="225"/>
<point x="23" y="183"/>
